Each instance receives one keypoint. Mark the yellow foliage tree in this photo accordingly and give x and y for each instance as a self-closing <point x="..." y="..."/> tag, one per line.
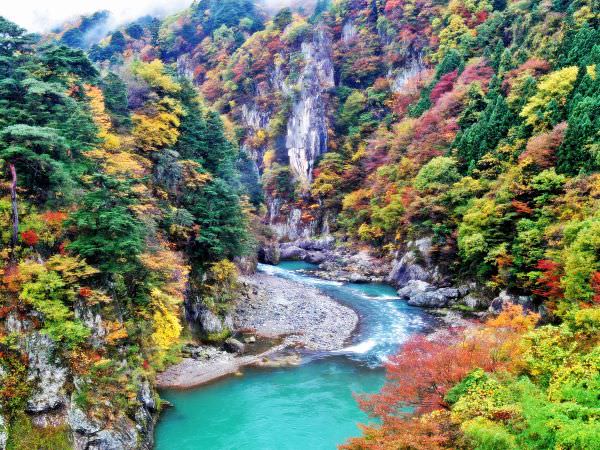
<point x="165" y="319"/>
<point x="154" y="74"/>
<point x="152" y="133"/>
<point x="552" y="89"/>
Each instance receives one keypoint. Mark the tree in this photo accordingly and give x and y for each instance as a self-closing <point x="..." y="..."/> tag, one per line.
<point x="115" y="98"/>
<point x="220" y="220"/>
<point x="553" y="89"/>
<point x="108" y="235"/>
<point x="437" y="174"/>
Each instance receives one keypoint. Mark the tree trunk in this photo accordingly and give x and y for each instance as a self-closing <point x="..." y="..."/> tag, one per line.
<point x="15" y="210"/>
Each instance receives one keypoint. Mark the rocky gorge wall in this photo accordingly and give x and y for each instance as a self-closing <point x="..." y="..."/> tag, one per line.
<point x="57" y="392"/>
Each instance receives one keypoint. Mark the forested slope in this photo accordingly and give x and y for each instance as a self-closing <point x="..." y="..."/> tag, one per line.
<point x="116" y="207"/>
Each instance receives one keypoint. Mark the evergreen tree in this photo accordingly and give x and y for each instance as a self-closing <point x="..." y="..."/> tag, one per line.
<point x="108" y="235"/>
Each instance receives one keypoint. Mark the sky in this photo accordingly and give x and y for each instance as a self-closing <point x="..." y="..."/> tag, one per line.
<point x="41" y="15"/>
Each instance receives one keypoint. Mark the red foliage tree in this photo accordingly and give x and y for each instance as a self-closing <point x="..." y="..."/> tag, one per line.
<point x="419" y="377"/>
<point x="444" y="85"/>
<point x="30" y="237"/>
<point x="595" y="283"/>
<point x="549" y="281"/>
<point x="541" y="149"/>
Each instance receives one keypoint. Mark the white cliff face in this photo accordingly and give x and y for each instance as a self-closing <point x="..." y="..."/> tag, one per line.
<point x="307" y="126"/>
<point x="349" y="32"/>
<point x="185" y="66"/>
<point x="49" y="376"/>
<point x="412" y="68"/>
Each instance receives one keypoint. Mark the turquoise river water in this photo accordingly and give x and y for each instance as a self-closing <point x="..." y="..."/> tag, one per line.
<point x="309" y="407"/>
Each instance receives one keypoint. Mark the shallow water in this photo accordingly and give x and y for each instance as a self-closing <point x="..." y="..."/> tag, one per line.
<point x="307" y="407"/>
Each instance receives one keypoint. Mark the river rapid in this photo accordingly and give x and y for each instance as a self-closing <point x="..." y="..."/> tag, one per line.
<point x="311" y="406"/>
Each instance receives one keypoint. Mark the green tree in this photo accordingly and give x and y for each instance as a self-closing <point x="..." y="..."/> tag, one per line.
<point x="108" y="234"/>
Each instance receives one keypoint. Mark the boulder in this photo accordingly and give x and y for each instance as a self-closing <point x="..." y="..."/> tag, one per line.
<point x="420" y="293"/>
<point x="438" y="298"/>
<point x="505" y="299"/>
<point x="291" y="252"/>
<point x="475" y="301"/>
<point x="317" y="257"/>
<point x="269" y="254"/>
<point x="234" y="346"/>
<point x="324" y="243"/>
<point x="210" y="322"/>
<point x="414" y="264"/>
<point x="413" y="287"/>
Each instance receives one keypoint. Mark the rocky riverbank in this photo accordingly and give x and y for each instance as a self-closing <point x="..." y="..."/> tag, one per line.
<point x="297" y="315"/>
<point x="302" y="314"/>
<point x="418" y="270"/>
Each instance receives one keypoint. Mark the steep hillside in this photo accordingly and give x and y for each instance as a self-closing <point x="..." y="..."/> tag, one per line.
<point x="120" y="202"/>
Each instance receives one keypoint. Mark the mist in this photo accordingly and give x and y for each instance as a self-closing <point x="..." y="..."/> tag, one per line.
<point x="42" y="15"/>
<point x="276" y="5"/>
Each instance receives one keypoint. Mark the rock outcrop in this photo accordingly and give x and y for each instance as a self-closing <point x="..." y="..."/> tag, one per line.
<point x="307" y="126"/>
<point x="414" y="264"/>
<point x="420" y="293"/>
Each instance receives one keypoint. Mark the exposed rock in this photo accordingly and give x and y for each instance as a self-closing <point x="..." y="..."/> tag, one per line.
<point x="421" y="293"/>
<point x="246" y="264"/>
<point x="250" y="339"/>
<point x="415" y="286"/>
<point x="210" y="322"/>
<point x="3" y="433"/>
<point x="202" y="317"/>
<point x="414" y="264"/>
<point x="145" y="396"/>
<point x="307" y="126"/>
<point x="315" y="257"/>
<point x="54" y="418"/>
<point x="48" y="375"/>
<point x="122" y="435"/>
<point x="408" y="71"/>
<point x="80" y="423"/>
<point x="321" y="244"/>
<point x="269" y="254"/>
<point x="234" y="346"/>
<point x="475" y="301"/>
<point x="288" y="225"/>
<point x="93" y="321"/>
<point x="505" y="299"/>
<point x="291" y="252"/>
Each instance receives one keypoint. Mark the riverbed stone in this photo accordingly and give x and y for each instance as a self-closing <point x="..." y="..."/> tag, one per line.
<point x="423" y="294"/>
<point x="291" y="252"/>
<point x="269" y="254"/>
<point x="232" y="345"/>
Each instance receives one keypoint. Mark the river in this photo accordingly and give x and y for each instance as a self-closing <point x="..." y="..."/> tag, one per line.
<point x="307" y="407"/>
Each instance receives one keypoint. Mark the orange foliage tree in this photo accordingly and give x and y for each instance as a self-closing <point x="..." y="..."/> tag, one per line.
<point x="411" y="404"/>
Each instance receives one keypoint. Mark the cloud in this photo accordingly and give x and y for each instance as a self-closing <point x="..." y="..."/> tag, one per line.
<point x="275" y="5"/>
<point x="42" y="15"/>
